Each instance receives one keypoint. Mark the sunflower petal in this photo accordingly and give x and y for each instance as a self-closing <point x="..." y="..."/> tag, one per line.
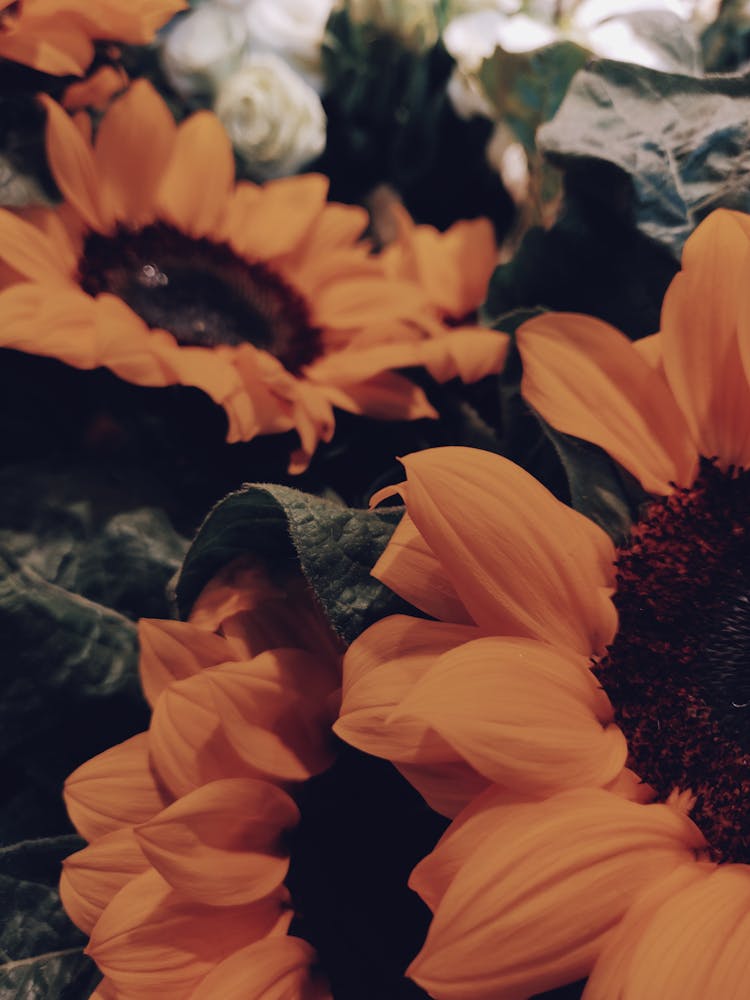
<point x="72" y="163"/>
<point x="587" y="379"/>
<point x="91" y="877"/>
<point x="700" y="328"/>
<point x="279" y="216"/>
<point x="585" y="852"/>
<point x="197" y="182"/>
<point x="220" y="844"/>
<point x="28" y="249"/>
<point x="171" y="651"/>
<point x="133" y="146"/>
<point x="520" y="713"/>
<point x="153" y="943"/>
<point x="272" y="969"/>
<point x="114" y="790"/>
<point x="522" y="562"/>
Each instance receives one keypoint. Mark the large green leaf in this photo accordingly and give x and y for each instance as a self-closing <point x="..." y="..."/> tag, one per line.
<point x="334" y="546"/>
<point x="526" y="88"/>
<point x="41" y="952"/>
<point x="59" y="650"/>
<point x="683" y="142"/>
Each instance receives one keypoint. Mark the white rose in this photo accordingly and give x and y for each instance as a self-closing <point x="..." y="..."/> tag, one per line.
<point x="273" y="117"/>
<point x="202" y="48"/>
<point x="292" y="29"/>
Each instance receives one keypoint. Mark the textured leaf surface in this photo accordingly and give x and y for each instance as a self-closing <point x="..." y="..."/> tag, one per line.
<point x="684" y="142"/>
<point x="41" y="952"/>
<point x="334" y="546"/>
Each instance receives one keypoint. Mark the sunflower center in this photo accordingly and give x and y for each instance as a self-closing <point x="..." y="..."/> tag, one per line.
<point x="678" y="671"/>
<point x="200" y="291"/>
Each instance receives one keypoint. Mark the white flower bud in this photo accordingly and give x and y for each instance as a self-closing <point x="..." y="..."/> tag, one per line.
<point x="203" y="48"/>
<point x="273" y="117"/>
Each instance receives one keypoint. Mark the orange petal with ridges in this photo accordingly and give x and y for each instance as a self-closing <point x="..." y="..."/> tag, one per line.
<point x="199" y="178"/>
<point x="695" y="946"/>
<point x="221" y="844"/>
<point x="133" y="146"/>
<point x="28" y="250"/>
<point x="172" y="651"/>
<point x="700" y="329"/>
<point x="610" y="973"/>
<point x="92" y="877"/>
<point x="549" y="884"/>
<point x="152" y="942"/>
<point x="587" y="379"/>
<point x="113" y="790"/>
<point x="410" y="568"/>
<point x="276" y="727"/>
<point x="522" y="562"/>
<point x="446" y="787"/>
<point x="273" y="969"/>
<point x="186" y="742"/>
<point x="72" y="163"/>
<point x="388" y="396"/>
<point x="380" y="671"/>
<point x="521" y="713"/>
<point x="278" y="216"/>
<point x="480" y="819"/>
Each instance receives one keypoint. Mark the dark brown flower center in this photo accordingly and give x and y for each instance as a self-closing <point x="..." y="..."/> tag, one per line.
<point x="200" y="291"/>
<point x="678" y="671"/>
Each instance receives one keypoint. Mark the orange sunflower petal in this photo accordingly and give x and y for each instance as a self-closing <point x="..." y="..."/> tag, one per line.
<point x="283" y="211"/>
<point x="153" y="943"/>
<point x="610" y="973"/>
<point x="598" y="853"/>
<point x="481" y="514"/>
<point x="113" y="790"/>
<point x="380" y="670"/>
<point x="699" y="329"/>
<point x="197" y="182"/>
<point x="520" y="713"/>
<point x="72" y="163"/>
<point x="172" y="650"/>
<point x="410" y="568"/>
<point x="28" y="250"/>
<point x="388" y="396"/>
<point x="131" y="170"/>
<point x="220" y="844"/>
<point x="91" y="877"/>
<point x="273" y="969"/>
<point x="587" y="379"/>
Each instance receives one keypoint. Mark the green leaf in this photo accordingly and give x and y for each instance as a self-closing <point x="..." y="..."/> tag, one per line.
<point x="526" y="88"/>
<point x="334" y="546"/>
<point x="599" y="488"/>
<point x="681" y="141"/>
<point x="41" y="952"/>
<point x="59" y="650"/>
<point x="93" y="534"/>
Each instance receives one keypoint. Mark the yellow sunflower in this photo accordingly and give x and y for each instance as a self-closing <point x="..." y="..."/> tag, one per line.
<point x="161" y="268"/>
<point x="181" y="886"/>
<point x="581" y="710"/>
<point x="57" y="36"/>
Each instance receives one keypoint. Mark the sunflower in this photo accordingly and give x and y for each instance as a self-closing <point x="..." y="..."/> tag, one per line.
<point x="181" y="886"/>
<point x="581" y="710"/>
<point x="161" y="268"/>
<point x="57" y="36"/>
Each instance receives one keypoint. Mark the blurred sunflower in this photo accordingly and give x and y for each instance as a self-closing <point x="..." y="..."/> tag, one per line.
<point x="57" y="36"/>
<point x="159" y="267"/>
<point x="584" y="709"/>
<point x="181" y="887"/>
